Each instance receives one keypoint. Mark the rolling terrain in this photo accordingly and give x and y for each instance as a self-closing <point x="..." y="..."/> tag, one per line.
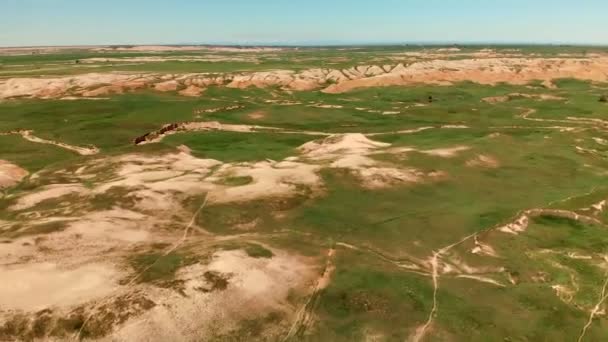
<point x="304" y="194"/>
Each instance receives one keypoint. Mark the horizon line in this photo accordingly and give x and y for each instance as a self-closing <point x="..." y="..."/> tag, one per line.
<point x="324" y="44"/>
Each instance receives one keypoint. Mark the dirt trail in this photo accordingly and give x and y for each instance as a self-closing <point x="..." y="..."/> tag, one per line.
<point x="29" y="136"/>
<point x="523" y="219"/>
<point x="506" y="98"/>
<point x="434" y="263"/>
<point x="594" y="122"/>
<point x="530" y="111"/>
<point x="519" y="224"/>
<point x="595" y="311"/>
<point x="304" y="316"/>
<point x="410" y="266"/>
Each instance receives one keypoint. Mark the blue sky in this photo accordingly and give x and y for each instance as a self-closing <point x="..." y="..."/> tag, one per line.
<point x="73" y="22"/>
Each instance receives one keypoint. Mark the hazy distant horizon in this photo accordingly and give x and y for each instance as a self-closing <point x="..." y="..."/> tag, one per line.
<point x="326" y="44"/>
<point x="299" y="22"/>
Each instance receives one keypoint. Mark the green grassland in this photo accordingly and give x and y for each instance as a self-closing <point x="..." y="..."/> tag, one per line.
<point x="368" y="296"/>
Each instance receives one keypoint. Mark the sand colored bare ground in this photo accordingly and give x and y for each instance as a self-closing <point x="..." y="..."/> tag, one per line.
<point x="520" y="224"/>
<point x="98" y="92"/>
<point x="49" y="192"/>
<point x="564" y="293"/>
<point x="256" y="288"/>
<point x="600" y="206"/>
<point x="166" y="86"/>
<point x="192" y="91"/>
<point x="76" y="266"/>
<point x="152" y="181"/>
<point x="481" y="279"/>
<point x="257" y="115"/>
<point x="483" y="249"/>
<point x="326" y="106"/>
<point x="115" y="225"/>
<point x="178" y="172"/>
<point x="75" y="98"/>
<point x="452" y="264"/>
<point x="218" y="109"/>
<point x="217" y="126"/>
<point x="404" y="131"/>
<point x="384" y="177"/>
<point x="35" y="287"/>
<point x="60" y="86"/>
<point x="90" y="236"/>
<point x="329" y="147"/>
<point x="601" y="141"/>
<point x="157" y="186"/>
<point x="85" y="151"/>
<point x="269" y="179"/>
<point x="305" y="315"/>
<point x="489" y="71"/>
<point x="99" y="240"/>
<point x="354" y="151"/>
<point x="484" y="161"/>
<point x="10" y="174"/>
<point x="448" y="152"/>
<point x="505" y="98"/>
<point x="154" y="177"/>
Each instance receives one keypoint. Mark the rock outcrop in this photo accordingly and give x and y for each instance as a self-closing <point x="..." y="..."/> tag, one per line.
<point x="10" y="174"/>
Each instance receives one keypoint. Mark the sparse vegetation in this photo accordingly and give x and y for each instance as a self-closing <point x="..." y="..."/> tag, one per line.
<point x="159" y="268"/>
<point x="237" y="181"/>
<point x="217" y="281"/>
<point x="17" y="231"/>
<point x="257" y="251"/>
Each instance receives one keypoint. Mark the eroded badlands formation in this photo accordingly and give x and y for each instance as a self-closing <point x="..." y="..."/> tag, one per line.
<point x="443" y="72"/>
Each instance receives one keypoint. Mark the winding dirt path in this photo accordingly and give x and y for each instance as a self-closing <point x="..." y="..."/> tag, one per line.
<point x="434" y="262"/>
<point x="595" y="311"/>
<point x="85" y="151"/>
<point x="527" y="112"/>
<point x="407" y="266"/>
<point x="517" y="225"/>
<point x="29" y="136"/>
